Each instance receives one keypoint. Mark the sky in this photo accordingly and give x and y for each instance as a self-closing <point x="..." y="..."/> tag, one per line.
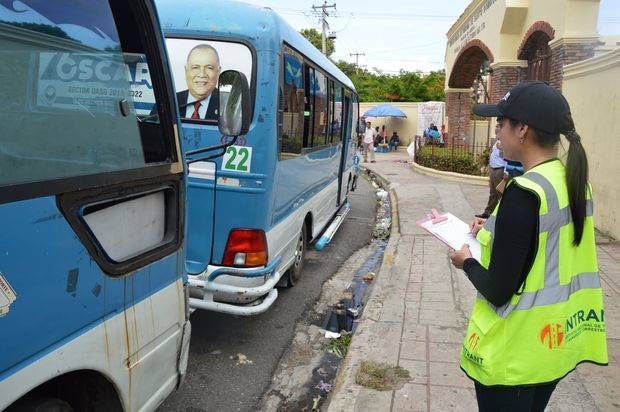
<point x="397" y="34"/>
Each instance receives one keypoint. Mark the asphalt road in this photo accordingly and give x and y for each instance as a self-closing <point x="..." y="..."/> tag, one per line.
<point x="215" y="382"/>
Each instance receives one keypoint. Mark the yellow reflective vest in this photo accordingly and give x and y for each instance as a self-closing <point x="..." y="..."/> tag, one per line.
<point x="557" y="319"/>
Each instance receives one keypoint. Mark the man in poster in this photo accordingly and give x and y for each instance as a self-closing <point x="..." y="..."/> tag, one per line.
<point x="202" y="71"/>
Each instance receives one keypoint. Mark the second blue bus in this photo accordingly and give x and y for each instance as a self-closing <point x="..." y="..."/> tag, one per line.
<point x="253" y="212"/>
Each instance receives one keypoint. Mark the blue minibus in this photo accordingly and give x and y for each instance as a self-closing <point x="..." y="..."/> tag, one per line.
<point x="93" y="288"/>
<point x="282" y="186"/>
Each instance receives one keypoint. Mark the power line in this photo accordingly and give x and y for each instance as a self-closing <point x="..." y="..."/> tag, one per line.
<point x="405" y="48"/>
<point x="365" y="15"/>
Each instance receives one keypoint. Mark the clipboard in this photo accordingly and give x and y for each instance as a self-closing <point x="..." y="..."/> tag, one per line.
<point x="452" y="231"/>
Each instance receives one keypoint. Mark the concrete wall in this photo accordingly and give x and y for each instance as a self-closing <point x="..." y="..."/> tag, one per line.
<point x="406" y="128"/>
<point x="482" y="130"/>
<point x="592" y="89"/>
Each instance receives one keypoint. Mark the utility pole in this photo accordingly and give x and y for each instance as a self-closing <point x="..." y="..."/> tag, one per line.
<point x="357" y="58"/>
<point x="324" y="23"/>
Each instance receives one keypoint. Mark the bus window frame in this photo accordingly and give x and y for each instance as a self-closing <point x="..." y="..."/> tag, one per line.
<point x="222" y="39"/>
<point x="146" y="17"/>
<point x="287" y="50"/>
<point x="73" y="204"/>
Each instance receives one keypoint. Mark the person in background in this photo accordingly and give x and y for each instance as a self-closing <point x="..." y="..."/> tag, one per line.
<point x="442" y="141"/>
<point x="369" y="143"/>
<point x="496" y="174"/>
<point x="377" y="136"/>
<point x="394" y="141"/>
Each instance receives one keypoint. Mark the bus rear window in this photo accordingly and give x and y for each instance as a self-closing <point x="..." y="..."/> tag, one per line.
<point x="75" y="92"/>
<point x="196" y="66"/>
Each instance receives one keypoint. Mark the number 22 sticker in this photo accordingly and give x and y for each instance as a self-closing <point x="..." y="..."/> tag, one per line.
<point x="237" y="159"/>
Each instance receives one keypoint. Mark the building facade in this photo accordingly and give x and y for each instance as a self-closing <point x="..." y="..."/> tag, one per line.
<point x="516" y="40"/>
<point x="498" y="43"/>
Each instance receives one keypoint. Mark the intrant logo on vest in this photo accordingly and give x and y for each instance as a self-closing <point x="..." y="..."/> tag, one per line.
<point x="553" y="335"/>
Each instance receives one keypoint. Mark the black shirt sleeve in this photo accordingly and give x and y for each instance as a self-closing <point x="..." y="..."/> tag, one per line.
<point x="514" y="247"/>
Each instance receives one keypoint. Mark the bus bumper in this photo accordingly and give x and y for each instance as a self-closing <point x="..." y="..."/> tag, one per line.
<point x="235" y="299"/>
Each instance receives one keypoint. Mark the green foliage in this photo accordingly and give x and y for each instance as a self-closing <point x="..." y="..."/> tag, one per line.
<point x="402" y="87"/>
<point x="483" y="158"/>
<point x="315" y="37"/>
<point x="381" y="87"/>
<point x="339" y="346"/>
<point x="41" y="28"/>
<point x="440" y="158"/>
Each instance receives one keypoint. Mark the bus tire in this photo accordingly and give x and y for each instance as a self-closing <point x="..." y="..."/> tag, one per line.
<point x="38" y="404"/>
<point x="293" y="274"/>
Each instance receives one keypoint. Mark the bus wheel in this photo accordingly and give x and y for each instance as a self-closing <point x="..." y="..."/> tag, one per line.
<point x="293" y="274"/>
<point x="41" y="405"/>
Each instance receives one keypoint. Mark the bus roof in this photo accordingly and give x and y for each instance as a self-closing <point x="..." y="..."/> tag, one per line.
<point x="234" y="19"/>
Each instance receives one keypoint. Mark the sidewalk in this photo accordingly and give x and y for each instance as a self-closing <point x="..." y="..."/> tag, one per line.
<point x="417" y="315"/>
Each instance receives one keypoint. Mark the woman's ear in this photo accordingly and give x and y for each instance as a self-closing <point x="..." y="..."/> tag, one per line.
<point x="522" y="132"/>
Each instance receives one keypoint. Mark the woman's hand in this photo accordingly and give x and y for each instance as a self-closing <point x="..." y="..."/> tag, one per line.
<point x="476" y="225"/>
<point x="459" y="256"/>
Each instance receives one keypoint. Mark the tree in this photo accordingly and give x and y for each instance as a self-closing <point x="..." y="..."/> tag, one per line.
<point x="347" y="68"/>
<point x="314" y="37"/>
<point x="402" y="87"/>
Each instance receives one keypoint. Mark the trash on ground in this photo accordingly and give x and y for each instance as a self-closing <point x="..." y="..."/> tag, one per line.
<point x="331" y="335"/>
<point x="369" y="277"/>
<point x="241" y="359"/>
<point x="316" y="402"/>
<point x="355" y="312"/>
<point x="382" y="193"/>
<point x="381" y="376"/>
<point x="325" y="387"/>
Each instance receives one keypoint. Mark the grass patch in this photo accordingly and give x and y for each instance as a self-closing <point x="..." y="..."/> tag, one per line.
<point x="339" y="346"/>
<point x="380" y="376"/>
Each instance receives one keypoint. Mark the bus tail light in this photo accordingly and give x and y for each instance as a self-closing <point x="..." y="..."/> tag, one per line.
<point x="246" y="248"/>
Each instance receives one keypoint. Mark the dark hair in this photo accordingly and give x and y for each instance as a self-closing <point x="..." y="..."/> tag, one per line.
<point x="576" y="170"/>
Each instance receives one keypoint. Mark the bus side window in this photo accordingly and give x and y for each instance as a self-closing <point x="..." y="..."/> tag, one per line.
<point x="309" y="106"/>
<point x="293" y="105"/>
<point x="320" y="110"/>
<point x="69" y="104"/>
<point x="336" y="113"/>
<point x="355" y="120"/>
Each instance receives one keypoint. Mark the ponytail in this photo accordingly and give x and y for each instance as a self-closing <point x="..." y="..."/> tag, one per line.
<point x="577" y="181"/>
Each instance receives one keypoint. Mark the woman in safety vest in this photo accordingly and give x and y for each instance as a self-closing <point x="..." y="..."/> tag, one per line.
<point x="539" y="310"/>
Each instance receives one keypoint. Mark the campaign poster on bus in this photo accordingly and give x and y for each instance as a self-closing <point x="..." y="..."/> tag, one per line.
<point x="196" y="67"/>
<point x="93" y="82"/>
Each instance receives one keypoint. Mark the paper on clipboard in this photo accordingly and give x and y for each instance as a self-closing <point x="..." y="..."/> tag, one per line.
<point x="452" y="231"/>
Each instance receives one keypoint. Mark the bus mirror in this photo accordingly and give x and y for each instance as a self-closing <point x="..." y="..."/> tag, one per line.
<point x="234" y="112"/>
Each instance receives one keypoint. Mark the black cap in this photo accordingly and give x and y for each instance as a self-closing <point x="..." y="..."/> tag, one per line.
<point x="533" y="103"/>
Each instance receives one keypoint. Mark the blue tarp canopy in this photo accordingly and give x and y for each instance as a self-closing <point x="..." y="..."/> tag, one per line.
<point x="385" y="110"/>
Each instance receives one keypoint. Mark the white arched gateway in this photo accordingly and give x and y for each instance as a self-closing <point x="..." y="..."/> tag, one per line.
<point x="495" y="44"/>
<point x="515" y="40"/>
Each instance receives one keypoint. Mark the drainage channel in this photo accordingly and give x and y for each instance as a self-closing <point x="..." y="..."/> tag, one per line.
<point x="340" y="322"/>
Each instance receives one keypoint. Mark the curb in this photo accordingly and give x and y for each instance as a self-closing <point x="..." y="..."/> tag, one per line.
<point x="371" y="313"/>
<point x="458" y="177"/>
<point x="395" y="228"/>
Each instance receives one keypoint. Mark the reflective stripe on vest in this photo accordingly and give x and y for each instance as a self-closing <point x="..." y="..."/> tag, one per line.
<point x="551" y="223"/>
